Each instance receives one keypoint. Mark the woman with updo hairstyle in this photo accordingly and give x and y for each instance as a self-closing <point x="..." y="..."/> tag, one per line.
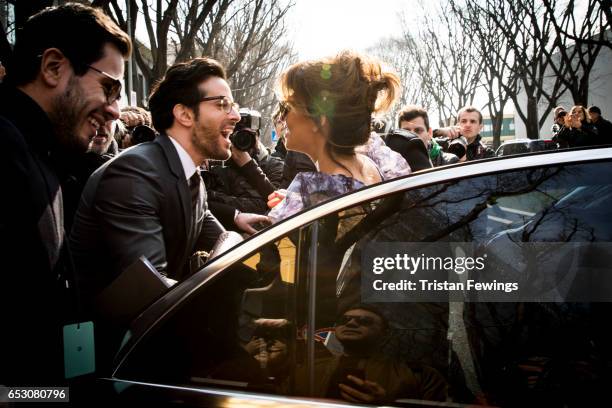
<point x="578" y="129"/>
<point x="327" y="106"/>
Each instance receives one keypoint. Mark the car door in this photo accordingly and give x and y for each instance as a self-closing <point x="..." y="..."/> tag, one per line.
<point x="263" y="318"/>
<point x="545" y="228"/>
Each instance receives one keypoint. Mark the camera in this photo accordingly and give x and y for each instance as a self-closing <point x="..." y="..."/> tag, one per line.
<point x="245" y="132"/>
<point x="457" y="146"/>
<point x="142" y="133"/>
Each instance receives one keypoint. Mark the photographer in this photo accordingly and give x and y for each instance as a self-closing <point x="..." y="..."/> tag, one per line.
<point x="578" y="129"/>
<point x="559" y="115"/>
<point x="464" y="139"/>
<point x="248" y="178"/>
<point x="416" y="120"/>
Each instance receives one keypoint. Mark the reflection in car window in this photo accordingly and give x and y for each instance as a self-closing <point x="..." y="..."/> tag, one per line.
<point x="550" y="354"/>
<point x="237" y="331"/>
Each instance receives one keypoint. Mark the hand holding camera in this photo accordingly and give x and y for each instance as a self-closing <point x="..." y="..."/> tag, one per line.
<point x="240" y="157"/>
<point x="245" y="133"/>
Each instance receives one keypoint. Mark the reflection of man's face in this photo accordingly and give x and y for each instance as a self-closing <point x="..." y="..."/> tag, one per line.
<point x="417" y="126"/>
<point x="82" y="108"/>
<point x="359" y="327"/>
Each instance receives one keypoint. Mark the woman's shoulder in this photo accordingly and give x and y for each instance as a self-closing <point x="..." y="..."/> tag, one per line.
<point x="389" y="163"/>
<point x="310" y="188"/>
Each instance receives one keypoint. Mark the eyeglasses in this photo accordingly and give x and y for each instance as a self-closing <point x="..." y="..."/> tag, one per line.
<point x="283" y="109"/>
<point x="112" y="90"/>
<point x="225" y="103"/>
<point x="365" y="321"/>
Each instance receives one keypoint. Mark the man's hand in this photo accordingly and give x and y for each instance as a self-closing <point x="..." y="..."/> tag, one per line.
<point x="365" y="391"/>
<point x="276" y="197"/>
<point x="239" y="157"/>
<point x="131" y="118"/>
<point x="244" y="221"/>
<point x="452" y="132"/>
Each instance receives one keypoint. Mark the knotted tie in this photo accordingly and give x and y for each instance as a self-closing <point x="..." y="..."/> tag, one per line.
<point x="194" y="188"/>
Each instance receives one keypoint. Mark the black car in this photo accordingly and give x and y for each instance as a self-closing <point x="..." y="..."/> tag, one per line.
<point x="258" y="325"/>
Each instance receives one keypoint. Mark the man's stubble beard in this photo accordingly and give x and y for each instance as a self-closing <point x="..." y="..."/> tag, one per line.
<point x="204" y="140"/>
<point x="64" y="116"/>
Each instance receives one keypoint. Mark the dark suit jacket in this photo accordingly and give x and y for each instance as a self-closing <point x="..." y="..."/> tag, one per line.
<point x="138" y="204"/>
<point x="410" y="147"/>
<point x="35" y="261"/>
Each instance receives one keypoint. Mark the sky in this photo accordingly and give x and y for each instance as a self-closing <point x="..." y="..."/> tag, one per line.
<point x="324" y="27"/>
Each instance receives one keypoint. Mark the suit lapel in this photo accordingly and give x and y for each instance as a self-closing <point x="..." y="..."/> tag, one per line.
<point x="182" y="189"/>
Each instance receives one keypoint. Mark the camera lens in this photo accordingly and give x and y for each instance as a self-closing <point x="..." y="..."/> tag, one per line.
<point x="243" y="139"/>
<point x="458" y="146"/>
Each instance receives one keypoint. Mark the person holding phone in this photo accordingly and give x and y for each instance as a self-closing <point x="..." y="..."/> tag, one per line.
<point x="578" y="129"/>
<point x="363" y="374"/>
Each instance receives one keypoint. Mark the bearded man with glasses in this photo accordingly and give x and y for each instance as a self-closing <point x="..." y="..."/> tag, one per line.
<point x="150" y="200"/>
<point x="62" y="86"/>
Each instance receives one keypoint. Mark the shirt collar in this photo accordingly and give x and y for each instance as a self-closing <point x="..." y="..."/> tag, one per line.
<point x="189" y="166"/>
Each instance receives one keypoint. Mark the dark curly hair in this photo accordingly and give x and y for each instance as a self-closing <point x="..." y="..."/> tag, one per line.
<point x="80" y="32"/>
<point x="180" y="86"/>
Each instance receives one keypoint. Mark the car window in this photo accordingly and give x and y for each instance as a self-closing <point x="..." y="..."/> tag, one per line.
<point x="237" y="331"/>
<point x="516" y="148"/>
<point x="497" y="353"/>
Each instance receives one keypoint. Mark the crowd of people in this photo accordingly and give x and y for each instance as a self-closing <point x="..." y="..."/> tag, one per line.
<point x="95" y="187"/>
<point x="581" y="127"/>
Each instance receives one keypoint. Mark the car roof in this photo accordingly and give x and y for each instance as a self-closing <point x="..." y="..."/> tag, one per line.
<point x="525" y="140"/>
<point x="164" y="306"/>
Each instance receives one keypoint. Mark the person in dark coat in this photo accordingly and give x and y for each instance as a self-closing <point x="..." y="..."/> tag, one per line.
<point x="603" y="126"/>
<point x="416" y="120"/>
<point x="578" y="130"/>
<point x="59" y="90"/>
<point x="242" y="186"/>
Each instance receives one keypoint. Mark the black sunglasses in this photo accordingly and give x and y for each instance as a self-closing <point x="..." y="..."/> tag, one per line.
<point x="112" y="90"/>
<point x="365" y="321"/>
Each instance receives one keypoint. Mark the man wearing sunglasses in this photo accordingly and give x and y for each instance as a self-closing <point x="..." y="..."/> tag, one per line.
<point x="363" y="374"/>
<point x="62" y="85"/>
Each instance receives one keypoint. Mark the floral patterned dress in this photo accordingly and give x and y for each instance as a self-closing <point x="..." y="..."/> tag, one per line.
<point x="311" y="188"/>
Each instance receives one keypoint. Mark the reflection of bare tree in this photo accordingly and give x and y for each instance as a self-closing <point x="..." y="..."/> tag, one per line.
<point x="440" y="212"/>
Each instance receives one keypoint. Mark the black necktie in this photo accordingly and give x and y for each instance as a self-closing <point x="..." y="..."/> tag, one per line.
<point x="194" y="188"/>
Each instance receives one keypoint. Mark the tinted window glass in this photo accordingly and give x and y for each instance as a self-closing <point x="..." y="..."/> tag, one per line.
<point x="514" y="353"/>
<point x="237" y="331"/>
